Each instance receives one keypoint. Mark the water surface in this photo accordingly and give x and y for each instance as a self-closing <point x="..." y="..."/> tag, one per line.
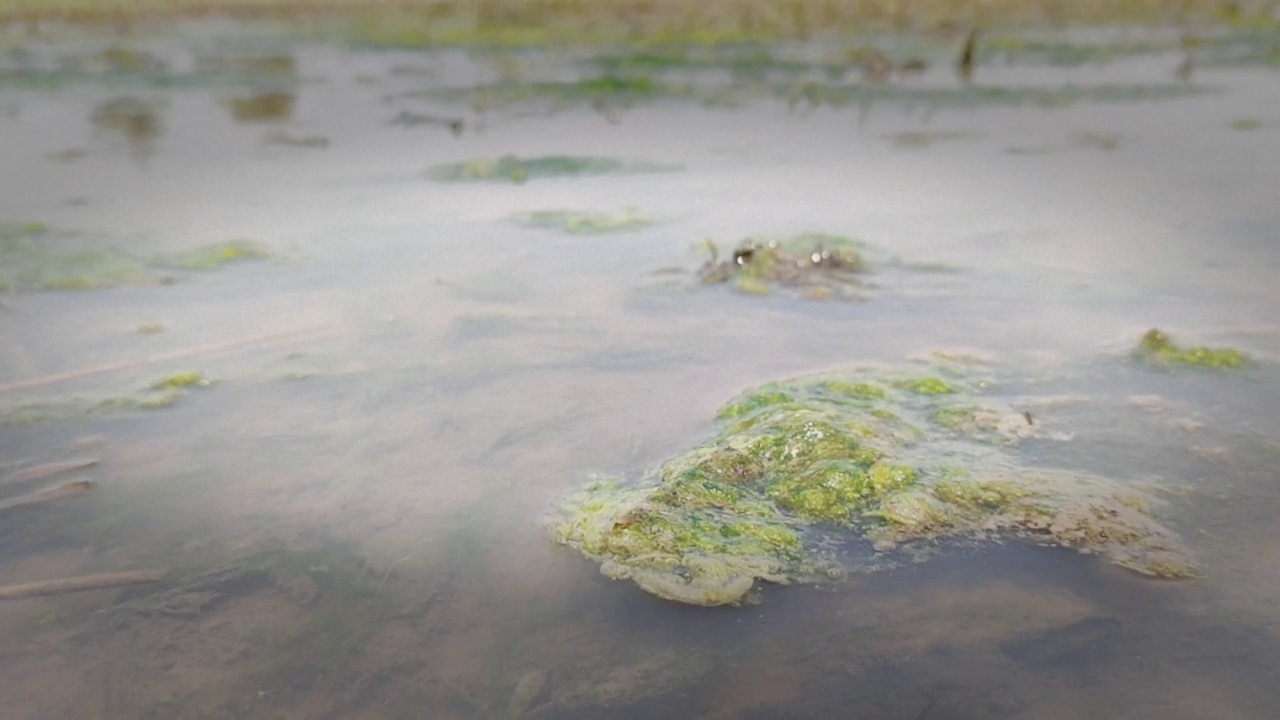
<point x="352" y="509"/>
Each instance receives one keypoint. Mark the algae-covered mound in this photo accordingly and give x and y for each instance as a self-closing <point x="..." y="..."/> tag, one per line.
<point x="814" y="266"/>
<point x="1156" y="348"/>
<point x="862" y="454"/>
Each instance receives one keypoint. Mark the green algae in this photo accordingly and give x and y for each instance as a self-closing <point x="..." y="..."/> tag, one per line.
<point x="282" y="138"/>
<point x="150" y="65"/>
<point x="921" y="139"/>
<point x="138" y="123"/>
<point x="802" y="464"/>
<point x="215" y="255"/>
<point x="1155" y="348"/>
<point x="926" y="386"/>
<point x="1245" y="124"/>
<point x="181" y="380"/>
<point x="751" y="60"/>
<point x="36" y="257"/>
<point x="813" y="94"/>
<point x="814" y="266"/>
<point x="510" y="168"/>
<point x="605" y="91"/>
<point x="586" y="223"/>
<point x="274" y="106"/>
<point x="270" y="65"/>
<point x="163" y="393"/>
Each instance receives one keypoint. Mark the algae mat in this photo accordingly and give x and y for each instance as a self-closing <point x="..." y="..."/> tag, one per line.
<point x="897" y="458"/>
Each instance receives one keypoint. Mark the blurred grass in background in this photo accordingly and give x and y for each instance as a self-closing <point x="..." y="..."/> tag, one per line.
<point x="577" y="22"/>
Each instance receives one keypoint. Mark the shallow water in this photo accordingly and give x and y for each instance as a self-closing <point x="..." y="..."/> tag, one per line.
<point x="401" y="395"/>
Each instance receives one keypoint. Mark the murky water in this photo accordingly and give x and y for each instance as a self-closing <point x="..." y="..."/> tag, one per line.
<point x="350" y="502"/>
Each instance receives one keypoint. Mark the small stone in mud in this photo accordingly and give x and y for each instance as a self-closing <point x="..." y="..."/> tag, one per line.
<point x="528" y="692"/>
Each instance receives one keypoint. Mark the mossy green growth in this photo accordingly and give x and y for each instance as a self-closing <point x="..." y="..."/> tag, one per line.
<point x="603" y="92"/>
<point x="1244" y="124"/>
<point x="1155" y="348"/>
<point x="586" y="223"/>
<point x="814" y="266"/>
<point x="35" y="257"/>
<point x="926" y="386"/>
<point x="510" y="168"/>
<point x="801" y="463"/>
<point x="163" y="393"/>
<point x="211" y="257"/>
<point x="181" y="380"/>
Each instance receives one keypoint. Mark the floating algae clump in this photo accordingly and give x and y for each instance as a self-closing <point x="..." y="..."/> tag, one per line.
<point x="510" y="168"/>
<point x="586" y="223"/>
<point x="814" y="266"/>
<point x="804" y="464"/>
<point x="35" y="257"/>
<point x="1156" y="348"/>
<point x="181" y="380"/>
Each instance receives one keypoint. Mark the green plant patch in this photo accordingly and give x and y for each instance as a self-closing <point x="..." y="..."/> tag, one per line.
<point x="811" y="95"/>
<point x="214" y="256"/>
<point x="164" y="392"/>
<point x="36" y="257"/>
<point x="586" y="223"/>
<point x="802" y="465"/>
<point x="611" y="91"/>
<point x="754" y="61"/>
<point x="510" y="168"/>
<point x="138" y="67"/>
<point x="1156" y="348"/>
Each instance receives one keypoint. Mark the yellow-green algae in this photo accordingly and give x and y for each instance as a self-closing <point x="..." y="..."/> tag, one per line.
<point x="36" y="257"/>
<point x="181" y="380"/>
<point x="211" y="257"/>
<point x="163" y="393"/>
<point x="510" y="168"/>
<point x="815" y="266"/>
<point x="586" y="223"/>
<point x="801" y="463"/>
<point x="1155" y="348"/>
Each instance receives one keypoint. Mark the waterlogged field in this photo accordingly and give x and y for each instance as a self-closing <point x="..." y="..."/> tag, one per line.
<point x="902" y="375"/>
